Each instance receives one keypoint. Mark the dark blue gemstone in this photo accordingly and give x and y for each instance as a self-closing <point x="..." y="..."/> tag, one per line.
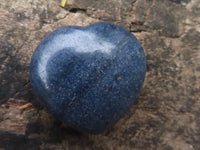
<point x="88" y="77"/>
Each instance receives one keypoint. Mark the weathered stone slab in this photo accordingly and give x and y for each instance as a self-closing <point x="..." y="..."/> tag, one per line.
<point x="166" y="115"/>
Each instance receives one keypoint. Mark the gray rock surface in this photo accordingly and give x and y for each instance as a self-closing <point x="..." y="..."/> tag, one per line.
<point x="167" y="113"/>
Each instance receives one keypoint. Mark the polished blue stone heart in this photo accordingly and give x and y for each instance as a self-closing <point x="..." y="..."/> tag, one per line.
<point x="88" y="77"/>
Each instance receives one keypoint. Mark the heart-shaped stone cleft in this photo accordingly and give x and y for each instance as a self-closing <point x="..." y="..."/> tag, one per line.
<point x="88" y="77"/>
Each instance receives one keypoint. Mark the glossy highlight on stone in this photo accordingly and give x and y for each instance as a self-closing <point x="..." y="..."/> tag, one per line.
<point x="88" y="77"/>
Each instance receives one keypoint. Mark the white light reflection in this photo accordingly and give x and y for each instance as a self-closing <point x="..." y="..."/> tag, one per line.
<point x="83" y="41"/>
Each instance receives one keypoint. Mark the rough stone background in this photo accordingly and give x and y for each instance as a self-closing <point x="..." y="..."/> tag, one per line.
<point x="167" y="113"/>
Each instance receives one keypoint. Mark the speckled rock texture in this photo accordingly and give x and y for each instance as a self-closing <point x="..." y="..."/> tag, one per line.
<point x="167" y="113"/>
<point x="88" y="77"/>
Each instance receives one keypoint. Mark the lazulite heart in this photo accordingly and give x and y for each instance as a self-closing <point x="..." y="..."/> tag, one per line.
<point x="88" y="77"/>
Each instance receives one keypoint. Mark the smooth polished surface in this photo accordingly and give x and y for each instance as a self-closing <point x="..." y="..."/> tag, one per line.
<point x="88" y="77"/>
